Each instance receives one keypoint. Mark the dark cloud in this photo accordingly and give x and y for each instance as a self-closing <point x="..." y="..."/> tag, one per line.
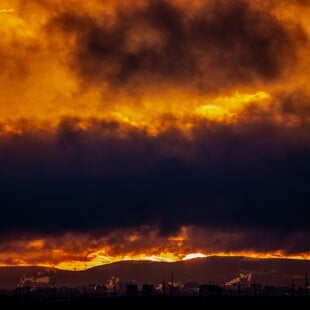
<point x="247" y="180"/>
<point x="296" y="104"/>
<point x="246" y="176"/>
<point x="219" y="46"/>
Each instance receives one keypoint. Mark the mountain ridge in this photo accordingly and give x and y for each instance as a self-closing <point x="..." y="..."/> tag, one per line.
<point x="217" y="269"/>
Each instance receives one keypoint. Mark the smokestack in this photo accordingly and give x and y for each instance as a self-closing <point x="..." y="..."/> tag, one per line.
<point x="172" y="279"/>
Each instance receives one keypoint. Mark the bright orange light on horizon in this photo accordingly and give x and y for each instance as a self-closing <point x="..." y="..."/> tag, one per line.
<point x="172" y="257"/>
<point x="72" y="251"/>
<point x="98" y="258"/>
<point x="193" y="256"/>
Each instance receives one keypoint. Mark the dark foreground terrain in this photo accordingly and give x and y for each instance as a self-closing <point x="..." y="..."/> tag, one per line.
<point x="279" y="272"/>
<point x="160" y="302"/>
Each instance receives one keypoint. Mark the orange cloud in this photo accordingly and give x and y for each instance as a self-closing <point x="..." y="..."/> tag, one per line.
<point x="44" y="81"/>
<point x="127" y="100"/>
<point x="76" y="251"/>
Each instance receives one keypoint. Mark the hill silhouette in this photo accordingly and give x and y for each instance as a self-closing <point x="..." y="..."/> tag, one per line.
<point x="203" y="270"/>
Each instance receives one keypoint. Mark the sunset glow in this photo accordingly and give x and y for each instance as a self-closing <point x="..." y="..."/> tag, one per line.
<point x="153" y="130"/>
<point x="99" y="258"/>
<point x="60" y="252"/>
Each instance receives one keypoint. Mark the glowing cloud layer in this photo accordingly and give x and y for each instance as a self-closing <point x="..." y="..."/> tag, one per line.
<point x="184" y="122"/>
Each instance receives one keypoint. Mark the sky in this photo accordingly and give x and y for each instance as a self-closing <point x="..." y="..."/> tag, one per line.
<point x="160" y="130"/>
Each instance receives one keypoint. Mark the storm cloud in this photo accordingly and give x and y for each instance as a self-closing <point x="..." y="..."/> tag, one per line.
<point x="227" y="177"/>
<point x="223" y="44"/>
<point x="123" y="123"/>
